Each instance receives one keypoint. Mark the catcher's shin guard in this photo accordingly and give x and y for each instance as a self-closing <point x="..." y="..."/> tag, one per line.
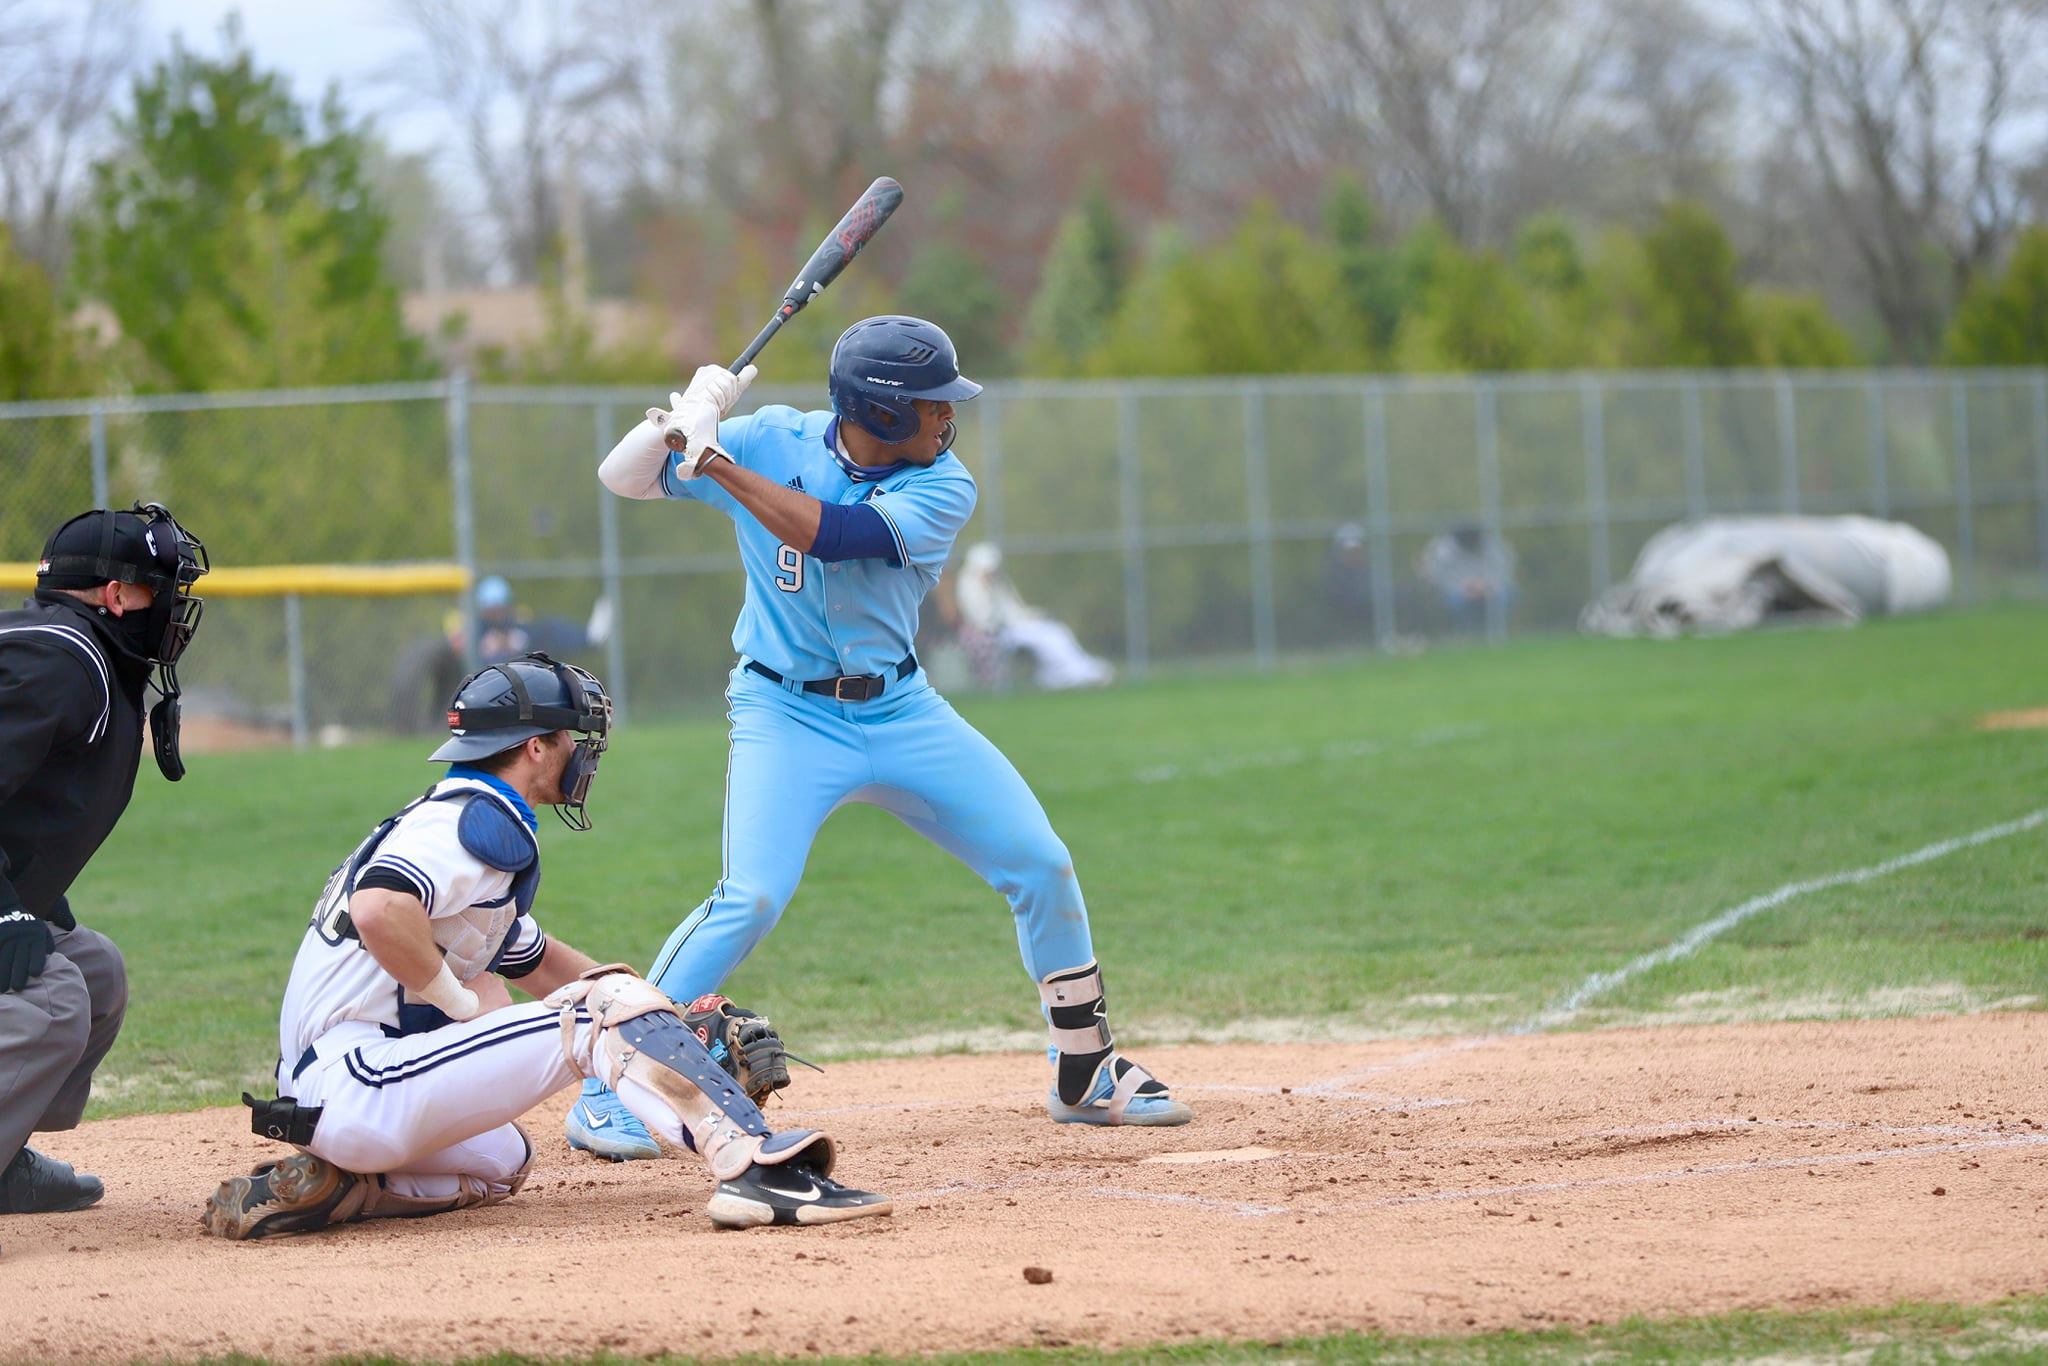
<point x="1092" y="1083"/>
<point x="621" y="1029"/>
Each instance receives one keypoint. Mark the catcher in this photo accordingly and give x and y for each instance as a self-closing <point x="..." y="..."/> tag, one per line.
<point x="404" y="1062"/>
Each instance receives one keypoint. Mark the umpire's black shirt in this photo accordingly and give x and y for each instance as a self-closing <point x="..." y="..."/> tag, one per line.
<point x="70" y="742"/>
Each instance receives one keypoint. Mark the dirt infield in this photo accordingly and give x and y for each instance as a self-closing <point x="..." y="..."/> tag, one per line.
<point x="1410" y="1188"/>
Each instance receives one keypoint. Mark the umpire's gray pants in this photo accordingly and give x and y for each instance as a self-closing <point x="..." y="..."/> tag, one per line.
<point x="53" y="1033"/>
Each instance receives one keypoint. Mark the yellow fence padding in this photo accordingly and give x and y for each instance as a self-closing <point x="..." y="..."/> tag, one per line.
<point x="307" y="580"/>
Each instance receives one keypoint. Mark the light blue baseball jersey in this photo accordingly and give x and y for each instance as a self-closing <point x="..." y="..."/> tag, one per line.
<point x="803" y="617"/>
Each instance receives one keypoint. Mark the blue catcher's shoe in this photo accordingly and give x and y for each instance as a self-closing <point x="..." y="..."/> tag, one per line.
<point x="1122" y="1093"/>
<point x="600" y="1123"/>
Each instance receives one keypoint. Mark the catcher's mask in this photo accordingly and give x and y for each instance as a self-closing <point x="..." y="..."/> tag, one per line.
<point x="143" y="545"/>
<point x="507" y="704"/>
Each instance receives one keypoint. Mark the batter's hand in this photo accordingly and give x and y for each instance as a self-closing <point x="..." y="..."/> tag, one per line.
<point x="690" y="427"/>
<point x="25" y="944"/>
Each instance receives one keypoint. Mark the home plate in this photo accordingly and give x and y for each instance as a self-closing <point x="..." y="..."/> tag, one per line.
<point x="1220" y="1155"/>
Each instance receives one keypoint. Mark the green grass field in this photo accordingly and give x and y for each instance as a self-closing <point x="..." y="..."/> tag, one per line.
<point x="1423" y="845"/>
<point x="1437" y="844"/>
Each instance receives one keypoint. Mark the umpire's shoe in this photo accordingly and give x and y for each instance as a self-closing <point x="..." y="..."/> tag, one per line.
<point x="291" y="1195"/>
<point x="793" y="1192"/>
<point x="600" y="1123"/>
<point x="34" y="1184"/>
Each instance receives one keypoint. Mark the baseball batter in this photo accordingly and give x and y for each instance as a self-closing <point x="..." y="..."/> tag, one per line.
<point x="403" y="1062"/>
<point x="844" y="520"/>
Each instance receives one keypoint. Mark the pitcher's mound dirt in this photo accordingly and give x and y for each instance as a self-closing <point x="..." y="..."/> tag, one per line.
<point x="1408" y="1188"/>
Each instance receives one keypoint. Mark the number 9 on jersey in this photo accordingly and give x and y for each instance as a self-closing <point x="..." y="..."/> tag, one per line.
<point x="791" y="560"/>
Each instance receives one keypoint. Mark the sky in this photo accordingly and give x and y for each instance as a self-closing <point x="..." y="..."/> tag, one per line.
<point x="314" y="42"/>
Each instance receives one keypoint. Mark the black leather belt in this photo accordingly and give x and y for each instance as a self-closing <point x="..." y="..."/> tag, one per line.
<point x="846" y="687"/>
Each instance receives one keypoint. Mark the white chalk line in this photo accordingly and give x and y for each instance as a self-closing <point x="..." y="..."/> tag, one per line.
<point x="1564" y="1010"/>
<point x="1873" y="1156"/>
<point x="1568" y="1007"/>
<point x="1665" y="1176"/>
<point x="1374" y="1100"/>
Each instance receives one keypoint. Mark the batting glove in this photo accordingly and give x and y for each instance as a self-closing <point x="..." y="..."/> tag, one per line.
<point x="690" y="427"/>
<point x="25" y="944"/>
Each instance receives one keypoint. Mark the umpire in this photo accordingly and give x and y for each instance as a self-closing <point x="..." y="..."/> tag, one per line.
<point x="113" y="605"/>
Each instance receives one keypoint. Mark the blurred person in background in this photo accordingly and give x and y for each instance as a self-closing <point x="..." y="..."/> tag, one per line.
<point x="113" y="610"/>
<point x="1347" y="580"/>
<point x="1467" y="569"/>
<point x="989" y="605"/>
<point x="428" y="670"/>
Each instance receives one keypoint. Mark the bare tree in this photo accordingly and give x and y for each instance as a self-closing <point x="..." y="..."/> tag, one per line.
<point x="58" y="71"/>
<point x="1911" y="112"/>
<point x="524" y="84"/>
<point x="1670" y="87"/>
<point x="1479" y="103"/>
<point x="1232" y="95"/>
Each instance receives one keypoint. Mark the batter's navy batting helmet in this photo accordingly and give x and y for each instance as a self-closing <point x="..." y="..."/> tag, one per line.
<point x="880" y="364"/>
<point x="507" y="704"/>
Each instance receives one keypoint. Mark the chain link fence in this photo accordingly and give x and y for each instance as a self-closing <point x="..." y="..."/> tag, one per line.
<point x="1226" y="521"/>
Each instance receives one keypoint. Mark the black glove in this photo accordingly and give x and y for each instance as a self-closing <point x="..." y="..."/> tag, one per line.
<point x="25" y="944"/>
<point x="741" y="1042"/>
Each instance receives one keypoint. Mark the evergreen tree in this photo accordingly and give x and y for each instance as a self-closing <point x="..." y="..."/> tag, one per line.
<point x="41" y="355"/>
<point x="1083" y="284"/>
<point x="954" y="288"/>
<point x="235" y="240"/>
<point x="1696" y="297"/>
<point x="2004" y="319"/>
<point x="1257" y="303"/>
<point x="1370" y="278"/>
<point x="1547" y="260"/>
<point x="1477" y="315"/>
<point x="1795" y="332"/>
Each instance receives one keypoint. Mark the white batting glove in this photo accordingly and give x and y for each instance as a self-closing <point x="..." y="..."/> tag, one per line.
<point x="690" y="426"/>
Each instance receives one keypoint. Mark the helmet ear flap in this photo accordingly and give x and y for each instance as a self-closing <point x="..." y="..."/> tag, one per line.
<point x="888" y="421"/>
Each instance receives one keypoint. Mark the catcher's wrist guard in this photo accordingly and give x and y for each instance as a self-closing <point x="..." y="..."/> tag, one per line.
<point x="741" y="1042"/>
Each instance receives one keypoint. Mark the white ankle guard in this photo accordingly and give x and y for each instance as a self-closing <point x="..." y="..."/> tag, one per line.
<point x="1078" y="1022"/>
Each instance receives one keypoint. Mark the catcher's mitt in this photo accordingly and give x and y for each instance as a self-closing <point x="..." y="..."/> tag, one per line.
<point x="742" y="1043"/>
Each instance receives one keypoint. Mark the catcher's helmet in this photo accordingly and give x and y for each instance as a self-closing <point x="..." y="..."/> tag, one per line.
<point x="880" y="364"/>
<point x="142" y="545"/>
<point x="507" y="704"/>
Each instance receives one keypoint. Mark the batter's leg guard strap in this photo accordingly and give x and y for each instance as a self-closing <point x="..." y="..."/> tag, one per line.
<point x="1078" y="1018"/>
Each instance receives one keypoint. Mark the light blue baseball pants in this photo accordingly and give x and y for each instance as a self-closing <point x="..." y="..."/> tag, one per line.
<point x="797" y="757"/>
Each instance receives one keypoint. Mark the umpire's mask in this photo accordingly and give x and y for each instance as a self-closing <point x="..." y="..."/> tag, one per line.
<point x="143" y="545"/>
<point x="507" y="704"/>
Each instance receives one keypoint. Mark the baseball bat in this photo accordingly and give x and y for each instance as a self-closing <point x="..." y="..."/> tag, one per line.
<point x="840" y="246"/>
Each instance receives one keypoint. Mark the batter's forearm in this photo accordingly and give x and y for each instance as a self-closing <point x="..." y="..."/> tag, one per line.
<point x="789" y="516"/>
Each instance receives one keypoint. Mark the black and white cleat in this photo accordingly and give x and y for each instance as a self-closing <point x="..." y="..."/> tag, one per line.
<point x="790" y="1193"/>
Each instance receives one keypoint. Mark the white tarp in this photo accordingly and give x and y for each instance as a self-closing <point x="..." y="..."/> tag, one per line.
<point x="1732" y="573"/>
